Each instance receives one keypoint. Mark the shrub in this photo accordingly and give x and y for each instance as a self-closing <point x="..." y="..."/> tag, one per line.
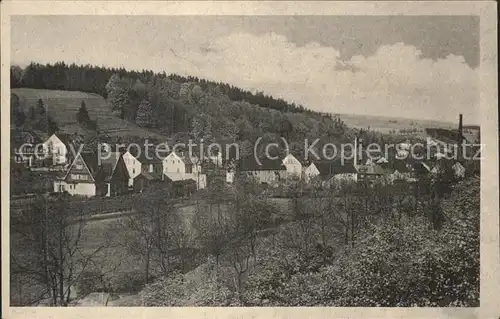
<point x="90" y="281"/>
<point x="200" y="287"/>
<point x="127" y="282"/>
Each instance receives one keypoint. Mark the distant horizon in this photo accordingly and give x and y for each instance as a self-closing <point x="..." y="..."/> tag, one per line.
<point x="424" y="67"/>
<point x="449" y="122"/>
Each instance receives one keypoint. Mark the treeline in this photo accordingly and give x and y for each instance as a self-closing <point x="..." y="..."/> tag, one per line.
<point x="190" y="108"/>
<point x="93" y="79"/>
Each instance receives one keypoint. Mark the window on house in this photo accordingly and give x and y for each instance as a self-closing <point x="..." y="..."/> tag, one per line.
<point x="79" y="166"/>
<point x="151" y="168"/>
<point x="133" y="170"/>
<point x="177" y="170"/>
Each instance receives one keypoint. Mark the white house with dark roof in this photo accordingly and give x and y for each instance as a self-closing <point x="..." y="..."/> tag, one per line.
<point x="140" y="161"/>
<point x="89" y="175"/>
<point x="293" y="166"/>
<point x="311" y="172"/>
<point x="56" y="148"/>
<point x="180" y="167"/>
<point x="133" y="165"/>
<point x="265" y="171"/>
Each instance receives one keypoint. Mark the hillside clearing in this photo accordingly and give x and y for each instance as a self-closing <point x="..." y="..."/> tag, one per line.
<point x="63" y="107"/>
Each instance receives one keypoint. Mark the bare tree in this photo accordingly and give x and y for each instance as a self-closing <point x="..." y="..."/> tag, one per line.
<point x="48" y="248"/>
<point x="148" y="233"/>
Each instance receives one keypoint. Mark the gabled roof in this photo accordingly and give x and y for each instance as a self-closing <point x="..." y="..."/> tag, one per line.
<point x="148" y="156"/>
<point x="327" y="168"/>
<point x="64" y="138"/>
<point x="103" y="168"/>
<point x="89" y="160"/>
<point x="186" y="158"/>
<point x="109" y="166"/>
<point x="250" y="164"/>
<point x="152" y="176"/>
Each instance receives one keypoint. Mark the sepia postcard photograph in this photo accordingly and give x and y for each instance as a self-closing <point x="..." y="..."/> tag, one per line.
<point x="245" y="159"/>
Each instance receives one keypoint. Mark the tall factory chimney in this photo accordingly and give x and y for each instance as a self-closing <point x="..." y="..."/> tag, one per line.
<point x="460" y="137"/>
<point x="460" y="133"/>
<point x="355" y="150"/>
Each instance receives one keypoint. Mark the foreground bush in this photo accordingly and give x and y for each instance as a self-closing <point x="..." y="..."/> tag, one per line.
<point x="200" y="287"/>
<point x="401" y="262"/>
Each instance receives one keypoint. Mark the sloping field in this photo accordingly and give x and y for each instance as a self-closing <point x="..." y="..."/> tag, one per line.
<point x="63" y="107"/>
<point x="386" y="124"/>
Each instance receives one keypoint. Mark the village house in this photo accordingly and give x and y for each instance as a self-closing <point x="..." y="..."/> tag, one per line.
<point x="329" y="173"/>
<point x="182" y="167"/>
<point x="456" y="167"/>
<point x="147" y="180"/>
<point x="56" y="149"/>
<point x="471" y="133"/>
<point x="293" y="167"/>
<point x="134" y="167"/>
<point x="137" y="162"/>
<point x="90" y="176"/>
<point x="230" y="176"/>
<point x="23" y="145"/>
<point x="267" y="171"/>
<point x="311" y="172"/>
<point x="342" y="173"/>
<point x="402" y="170"/>
<point x="369" y="173"/>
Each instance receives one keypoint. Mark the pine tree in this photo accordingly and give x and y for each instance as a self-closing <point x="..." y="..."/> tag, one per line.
<point x="40" y="108"/>
<point x="17" y="116"/>
<point x="83" y="115"/>
<point x="144" y="114"/>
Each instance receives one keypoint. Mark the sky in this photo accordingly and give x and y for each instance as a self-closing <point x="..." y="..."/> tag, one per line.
<point x="423" y="67"/>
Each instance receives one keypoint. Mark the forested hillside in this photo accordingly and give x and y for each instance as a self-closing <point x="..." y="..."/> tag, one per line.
<point x="93" y="79"/>
<point x="189" y="108"/>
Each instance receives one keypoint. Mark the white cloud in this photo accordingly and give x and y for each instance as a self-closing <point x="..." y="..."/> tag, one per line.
<point x="395" y="81"/>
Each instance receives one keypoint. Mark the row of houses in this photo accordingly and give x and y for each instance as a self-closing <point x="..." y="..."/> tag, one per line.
<point x="105" y="173"/>
<point x="333" y="172"/>
<point x="114" y="173"/>
<point x="29" y="147"/>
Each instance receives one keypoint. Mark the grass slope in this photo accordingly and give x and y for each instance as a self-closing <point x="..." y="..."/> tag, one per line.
<point x="63" y="107"/>
<point x="386" y="124"/>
